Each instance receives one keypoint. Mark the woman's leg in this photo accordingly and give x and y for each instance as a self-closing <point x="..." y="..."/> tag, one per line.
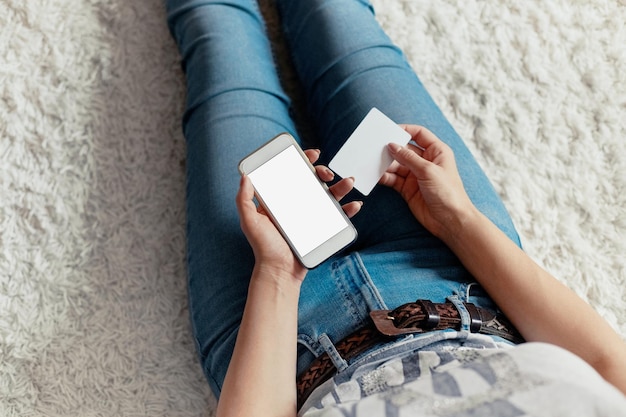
<point x="348" y="65"/>
<point x="234" y="104"/>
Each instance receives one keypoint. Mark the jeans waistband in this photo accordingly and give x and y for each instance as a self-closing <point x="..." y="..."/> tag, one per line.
<point x="337" y="297"/>
<point x="377" y="355"/>
<point x="418" y="317"/>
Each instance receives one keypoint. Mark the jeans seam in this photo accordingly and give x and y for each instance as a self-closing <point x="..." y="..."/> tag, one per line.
<point x="370" y="286"/>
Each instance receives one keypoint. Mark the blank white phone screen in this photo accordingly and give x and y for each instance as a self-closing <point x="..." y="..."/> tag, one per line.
<point x="297" y="200"/>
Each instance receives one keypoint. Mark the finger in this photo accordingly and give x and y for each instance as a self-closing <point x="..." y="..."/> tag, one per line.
<point x="413" y="130"/>
<point x="391" y="179"/>
<point x="399" y="183"/>
<point x="313" y="155"/>
<point x="352" y="208"/>
<point x="324" y="173"/>
<point x="394" y="176"/>
<point x="342" y="188"/>
<point x="421" y="136"/>
<point x="407" y="156"/>
<point x="398" y="169"/>
<point x="418" y="149"/>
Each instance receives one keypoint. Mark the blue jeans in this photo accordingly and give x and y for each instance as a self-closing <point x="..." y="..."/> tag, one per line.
<point x="235" y="103"/>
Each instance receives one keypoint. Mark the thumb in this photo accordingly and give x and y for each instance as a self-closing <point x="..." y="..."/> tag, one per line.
<point x="245" y="203"/>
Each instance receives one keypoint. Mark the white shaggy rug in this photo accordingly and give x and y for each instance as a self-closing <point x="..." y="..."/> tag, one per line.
<point x="93" y="317"/>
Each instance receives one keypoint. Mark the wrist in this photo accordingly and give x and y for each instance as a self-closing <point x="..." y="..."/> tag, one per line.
<point x="274" y="285"/>
<point x="457" y="227"/>
<point x="292" y="274"/>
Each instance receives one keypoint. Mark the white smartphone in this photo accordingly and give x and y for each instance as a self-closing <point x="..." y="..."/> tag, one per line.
<point x="300" y="205"/>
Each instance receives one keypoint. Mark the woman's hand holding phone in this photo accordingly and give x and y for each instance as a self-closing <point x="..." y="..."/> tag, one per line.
<point x="271" y="251"/>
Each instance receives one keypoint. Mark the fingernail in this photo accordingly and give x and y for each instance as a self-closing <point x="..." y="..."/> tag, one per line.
<point x="394" y="147"/>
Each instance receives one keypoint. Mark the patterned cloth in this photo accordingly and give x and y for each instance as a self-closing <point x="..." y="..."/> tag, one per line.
<point x="532" y="379"/>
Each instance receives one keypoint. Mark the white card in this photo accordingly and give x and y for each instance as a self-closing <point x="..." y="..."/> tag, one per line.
<point x="364" y="156"/>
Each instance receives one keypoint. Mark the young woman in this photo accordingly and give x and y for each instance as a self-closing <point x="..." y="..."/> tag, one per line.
<point x="433" y="231"/>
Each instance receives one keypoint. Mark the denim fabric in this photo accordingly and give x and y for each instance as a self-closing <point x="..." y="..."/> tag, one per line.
<point x="235" y="103"/>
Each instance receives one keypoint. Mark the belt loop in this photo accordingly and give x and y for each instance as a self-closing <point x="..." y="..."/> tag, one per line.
<point x="432" y="315"/>
<point x="466" y="320"/>
<point x="469" y="288"/>
<point x="330" y="349"/>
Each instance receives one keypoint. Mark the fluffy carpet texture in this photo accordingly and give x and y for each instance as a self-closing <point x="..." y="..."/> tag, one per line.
<point x="93" y="316"/>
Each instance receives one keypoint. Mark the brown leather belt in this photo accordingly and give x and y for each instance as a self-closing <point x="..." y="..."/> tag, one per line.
<point x="419" y="317"/>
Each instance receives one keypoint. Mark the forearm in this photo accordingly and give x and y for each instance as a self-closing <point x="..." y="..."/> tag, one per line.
<point x="538" y="305"/>
<point x="261" y="376"/>
<point x="541" y="307"/>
